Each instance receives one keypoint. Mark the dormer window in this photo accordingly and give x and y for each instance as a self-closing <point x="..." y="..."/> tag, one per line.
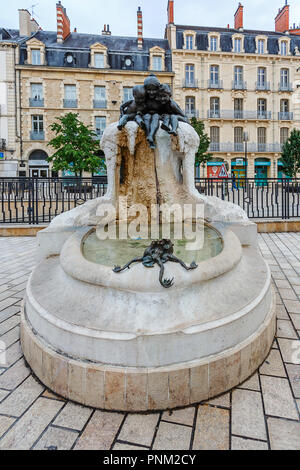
<point x="157" y="63"/>
<point x="237" y="45"/>
<point x="213" y="43"/>
<point x="260" y="46"/>
<point x="283" y="48"/>
<point x="157" y="59"/>
<point x="189" y="42"/>
<point x="99" y="60"/>
<point x="69" y="59"/>
<point x="36" y="57"/>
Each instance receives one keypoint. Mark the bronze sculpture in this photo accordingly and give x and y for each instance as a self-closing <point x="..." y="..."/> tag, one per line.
<point x="152" y="103"/>
<point x="159" y="252"/>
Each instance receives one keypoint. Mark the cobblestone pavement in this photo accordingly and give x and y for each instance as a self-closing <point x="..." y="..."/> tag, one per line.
<point x="262" y="413"/>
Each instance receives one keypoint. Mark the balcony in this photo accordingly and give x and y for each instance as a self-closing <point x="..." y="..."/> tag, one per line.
<point x="70" y="103"/>
<point x="190" y="83"/>
<point x="2" y="144"/>
<point x="285" y="116"/>
<point x="100" y="104"/>
<point x="262" y="86"/>
<point x="239" y="85"/>
<point x="239" y="114"/>
<point x="190" y="113"/>
<point x="37" y="135"/>
<point x="282" y="86"/>
<point x="239" y="147"/>
<point x="36" y="102"/>
<point x="215" y="84"/>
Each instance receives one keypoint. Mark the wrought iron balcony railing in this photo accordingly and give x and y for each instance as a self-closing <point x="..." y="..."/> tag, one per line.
<point x="283" y="86"/>
<point x="192" y="113"/>
<point x="215" y="84"/>
<point x="285" y="116"/>
<point x="262" y="86"/>
<point x="70" y="103"/>
<point x="253" y="147"/>
<point x="239" y="85"/>
<point x="238" y="114"/>
<point x="37" y="135"/>
<point x="101" y="104"/>
<point x="186" y="83"/>
<point x="36" y="102"/>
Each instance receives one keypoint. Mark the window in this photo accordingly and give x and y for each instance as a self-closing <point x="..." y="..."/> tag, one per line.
<point x="99" y="97"/>
<point x="36" y="91"/>
<point x="261" y="77"/>
<point x="238" y="108"/>
<point x="238" y="75"/>
<point x="238" y="139"/>
<point x="261" y="46"/>
<point x="214" y="74"/>
<point x="215" y="138"/>
<point x="36" y="57"/>
<point x="284" y="106"/>
<point x="127" y="94"/>
<point x="37" y="124"/>
<point x="190" y="106"/>
<point x="213" y="43"/>
<point x="189" y="41"/>
<point x="99" y="60"/>
<point x="237" y="45"/>
<point x="157" y="62"/>
<point x="284" y="135"/>
<point x="261" y="138"/>
<point x="283" y="48"/>
<point x="262" y="108"/>
<point x="284" y="78"/>
<point x="100" y="125"/>
<point x="189" y="74"/>
<point x="215" y="107"/>
<point x="70" y="100"/>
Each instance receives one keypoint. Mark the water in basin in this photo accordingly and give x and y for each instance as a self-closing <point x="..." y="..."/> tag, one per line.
<point x="119" y="252"/>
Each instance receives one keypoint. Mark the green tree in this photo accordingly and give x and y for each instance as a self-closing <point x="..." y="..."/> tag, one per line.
<point x="201" y="157"/>
<point x="291" y="154"/>
<point x="75" y="145"/>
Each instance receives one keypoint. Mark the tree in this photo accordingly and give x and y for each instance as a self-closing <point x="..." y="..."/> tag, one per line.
<point x="201" y="157"/>
<point x="75" y="145"/>
<point x="291" y="154"/>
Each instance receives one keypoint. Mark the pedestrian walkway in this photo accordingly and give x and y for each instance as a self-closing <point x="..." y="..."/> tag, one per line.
<point x="262" y="413"/>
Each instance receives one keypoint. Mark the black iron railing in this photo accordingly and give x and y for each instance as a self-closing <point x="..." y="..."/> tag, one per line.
<point x="38" y="200"/>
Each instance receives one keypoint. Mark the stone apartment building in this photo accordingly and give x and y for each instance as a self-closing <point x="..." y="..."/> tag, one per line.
<point x="66" y="71"/>
<point x="239" y="81"/>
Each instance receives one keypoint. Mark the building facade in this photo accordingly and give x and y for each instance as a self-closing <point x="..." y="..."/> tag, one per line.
<point x="242" y="84"/>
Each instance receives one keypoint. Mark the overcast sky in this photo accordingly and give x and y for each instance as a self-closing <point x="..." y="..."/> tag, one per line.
<point x="89" y="16"/>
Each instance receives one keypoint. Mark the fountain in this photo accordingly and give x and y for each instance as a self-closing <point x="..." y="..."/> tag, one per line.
<point x="196" y="324"/>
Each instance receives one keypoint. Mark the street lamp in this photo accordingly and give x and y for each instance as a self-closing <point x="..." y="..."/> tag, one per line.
<point x="246" y="140"/>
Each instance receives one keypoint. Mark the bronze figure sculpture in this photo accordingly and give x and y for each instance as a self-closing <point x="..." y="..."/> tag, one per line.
<point x="159" y="252"/>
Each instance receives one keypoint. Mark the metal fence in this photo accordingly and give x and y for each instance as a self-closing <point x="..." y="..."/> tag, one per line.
<point x="38" y="200"/>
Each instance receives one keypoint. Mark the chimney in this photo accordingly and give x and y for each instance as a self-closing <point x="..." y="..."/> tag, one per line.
<point x="282" y="20"/>
<point x="63" y="23"/>
<point x="106" y="31"/>
<point x="170" y="11"/>
<point x="27" y="25"/>
<point x="238" y="17"/>
<point x="140" y="28"/>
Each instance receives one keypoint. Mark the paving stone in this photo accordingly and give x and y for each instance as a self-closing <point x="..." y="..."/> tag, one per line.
<point x="296" y="320"/>
<point x="288" y="294"/>
<point x="52" y="395"/>
<point x="292" y="306"/>
<point x="277" y="396"/>
<point x="212" y="429"/>
<point x="100" y="431"/>
<point x="121" y="446"/>
<point x="56" y="439"/>
<point x="21" y="398"/>
<point x="281" y="312"/>
<point x="252" y="383"/>
<point x="284" y="434"/>
<point x="293" y="371"/>
<point x="297" y="288"/>
<point x="5" y="423"/>
<point x="7" y="303"/>
<point x="273" y="365"/>
<point x="3" y="394"/>
<point x="285" y="329"/>
<point x="184" y="416"/>
<point x="240" y="443"/>
<point x="27" y="430"/>
<point x="131" y="429"/>
<point x="9" y="324"/>
<point x="13" y="376"/>
<point x="8" y="312"/>
<point x="172" y="436"/>
<point x="13" y="353"/>
<point x="282" y="283"/>
<point x="248" y="415"/>
<point x="73" y="416"/>
<point x="11" y="336"/>
<point x="223" y="401"/>
<point x="290" y="349"/>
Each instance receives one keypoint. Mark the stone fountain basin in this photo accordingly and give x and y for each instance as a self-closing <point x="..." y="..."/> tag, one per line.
<point x="89" y="313"/>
